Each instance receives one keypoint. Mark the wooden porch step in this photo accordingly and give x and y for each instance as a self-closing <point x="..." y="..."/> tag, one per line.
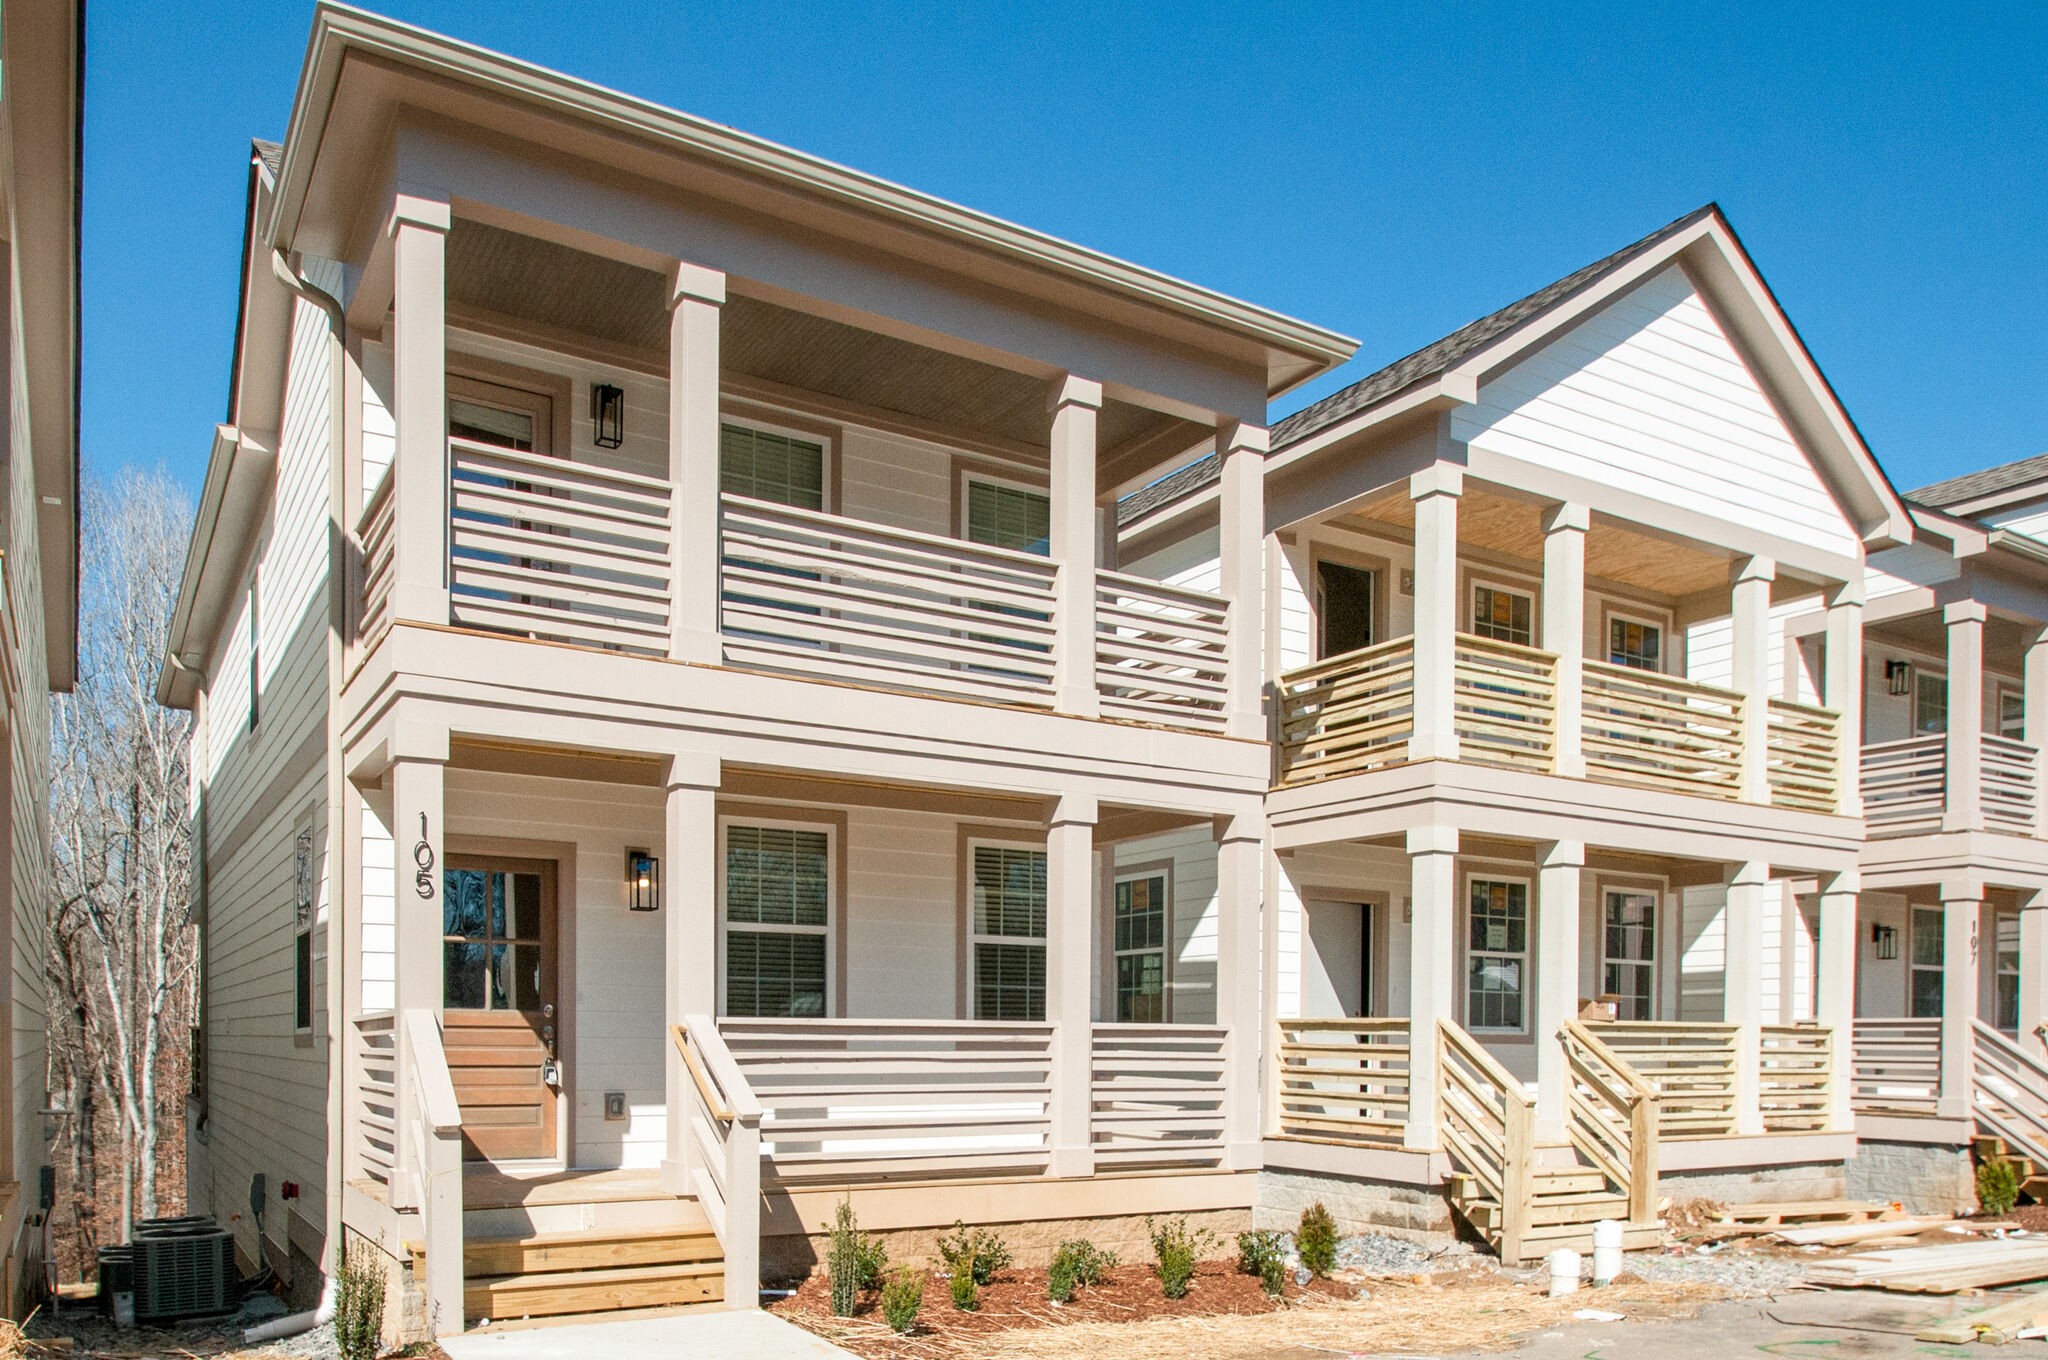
<point x="553" y="1293"/>
<point x="549" y="1252"/>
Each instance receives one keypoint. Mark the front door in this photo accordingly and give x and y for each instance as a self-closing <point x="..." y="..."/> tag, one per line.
<point x="499" y="1020"/>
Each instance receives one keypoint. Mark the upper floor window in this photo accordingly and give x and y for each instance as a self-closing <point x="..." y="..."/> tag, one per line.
<point x="1504" y="615"/>
<point x="1344" y="607"/>
<point x="1636" y="644"/>
<point x="769" y="466"/>
<point x="2012" y="714"/>
<point x="1930" y="703"/>
<point x="1005" y="515"/>
<point x="501" y="416"/>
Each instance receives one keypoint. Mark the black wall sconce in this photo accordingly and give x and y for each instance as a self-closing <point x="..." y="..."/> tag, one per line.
<point x="643" y="881"/>
<point x="1885" y="939"/>
<point x="1898" y="677"/>
<point x="607" y="415"/>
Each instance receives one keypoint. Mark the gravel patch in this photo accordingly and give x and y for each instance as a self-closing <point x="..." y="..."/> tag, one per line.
<point x="1749" y="1274"/>
<point x="94" y="1335"/>
<point x="1378" y="1254"/>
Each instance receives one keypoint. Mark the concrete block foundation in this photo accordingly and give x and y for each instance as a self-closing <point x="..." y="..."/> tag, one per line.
<point x="1359" y="1205"/>
<point x="1924" y="1178"/>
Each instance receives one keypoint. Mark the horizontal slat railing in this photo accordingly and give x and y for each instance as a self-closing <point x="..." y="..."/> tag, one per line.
<point x="1611" y="1117"/>
<point x="434" y="1163"/>
<point x="566" y="552"/>
<point x="858" y="1098"/>
<point x="1347" y="713"/>
<point x="374" y="537"/>
<point x="1691" y="1066"/>
<point x="817" y="594"/>
<point x="1796" y="1081"/>
<point x="1343" y="1081"/>
<point x="2010" y="787"/>
<point x="1805" y="756"/>
<point x="376" y="1043"/>
<point x="1161" y="651"/>
<point x="1506" y="703"/>
<point x="1896" y="1066"/>
<point x="1157" y="1095"/>
<point x="1486" y="1123"/>
<point x="1662" y="731"/>
<point x="1902" y="785"/>
<point x="2009" y="1092"/>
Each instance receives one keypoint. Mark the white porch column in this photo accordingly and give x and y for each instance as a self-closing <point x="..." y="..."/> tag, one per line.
<point x="1069" y="968"/>
<point x="1750" y="892"/>
<point x="1834" y="1002"/>
<point x="1564" y="626"/>
<point x="1435" y="491"/>
<point x="1963" y="807"/>
<point x="1432" y="987"/>
<point x="1962" y="907"/>
<point x="2033" y="1010"/>
<point x="415" y="781"/>
<point x="1557" y="975"/>
<point x="1751" y="608"/>
<point x="1075" y="403"/>
<point x="1843" y="684"/>
<point x="1242" y="449"/>
<point x="2034" y="698"/>
<point x="419" y="409"/>
<point x="1240" y="878"/>
<point x="696" y="302"/>
<point x="689" y="905"/>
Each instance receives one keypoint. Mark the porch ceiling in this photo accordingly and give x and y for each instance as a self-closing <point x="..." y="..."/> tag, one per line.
<point x="2005" y="640"/>
<point x="501" y="276"/>
<point x="1514" y="528"/>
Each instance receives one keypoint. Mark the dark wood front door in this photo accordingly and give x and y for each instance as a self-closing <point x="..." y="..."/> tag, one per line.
<point x="500" y="1020"/>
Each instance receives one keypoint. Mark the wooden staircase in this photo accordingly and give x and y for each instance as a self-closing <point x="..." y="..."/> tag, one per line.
<point x="1987" y="1147"/>
<point x="2009" y="1104"/>
<point x="597" y="1270"/>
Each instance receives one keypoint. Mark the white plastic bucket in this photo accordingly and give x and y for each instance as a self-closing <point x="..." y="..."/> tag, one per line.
<point x="1564" y="1266"/>
<point x="1606" y="1251"/>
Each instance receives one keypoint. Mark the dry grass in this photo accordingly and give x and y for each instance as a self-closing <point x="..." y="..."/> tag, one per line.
<point x="1398" y="1316"/>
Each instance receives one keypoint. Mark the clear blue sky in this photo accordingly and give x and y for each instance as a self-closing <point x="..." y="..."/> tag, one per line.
<point x="1391" y="172"/>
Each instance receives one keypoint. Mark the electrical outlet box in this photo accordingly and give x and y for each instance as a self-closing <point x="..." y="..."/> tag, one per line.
<point x="614" y="1104"/>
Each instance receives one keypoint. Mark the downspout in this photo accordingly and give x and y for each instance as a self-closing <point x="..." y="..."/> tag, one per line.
<point x="338" y="853"/>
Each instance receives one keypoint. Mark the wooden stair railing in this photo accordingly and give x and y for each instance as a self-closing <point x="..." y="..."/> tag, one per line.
<point x="434" y="1164"/>
<point x="724" y="1143"/>
<point x="1486" y="1124"/>
<point x="2009" y="1093"/>
<point x="1611" y="1117"/>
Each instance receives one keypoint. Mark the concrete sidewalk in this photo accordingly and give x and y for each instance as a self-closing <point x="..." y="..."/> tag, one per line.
<point x="686" y="1336"/>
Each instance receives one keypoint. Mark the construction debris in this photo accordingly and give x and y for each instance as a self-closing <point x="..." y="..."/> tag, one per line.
<point x="1945" y="1269"/>
<point x="1843" y="1234"/>
<point x="1770" y="1216"/>
<point x="1999" y="1324"/>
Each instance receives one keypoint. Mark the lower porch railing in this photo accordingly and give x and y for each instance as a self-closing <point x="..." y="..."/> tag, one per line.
<point x="1896" y="1066"/>
<point x="1690" y="1066"/>
<point x="1796" y="1079"/>
<point x="724" y="1141"/>
<point x="433" y="1164"/>
<point x="376" y="1097"/>
<point x="1342" y="1081"/>
<point x="1157" y="1095"/>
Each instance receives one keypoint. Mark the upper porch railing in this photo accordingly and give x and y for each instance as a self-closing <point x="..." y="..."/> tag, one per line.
<point x="1906" y="786"/>
<point x="582" y="554"/>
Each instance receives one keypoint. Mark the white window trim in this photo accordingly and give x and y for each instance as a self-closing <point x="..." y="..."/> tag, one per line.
<point x="969" y="476"/>
<point x="829" y="930"/>
<point x="1656" y="894"/>
<point x="826" y="464"/>
<point x="1165" y="949"/>
<point x="1468" y="953"/>
<point x="1662" y="623"/>
<point x="1474" y="584"/>
<point x="976" y="937"/>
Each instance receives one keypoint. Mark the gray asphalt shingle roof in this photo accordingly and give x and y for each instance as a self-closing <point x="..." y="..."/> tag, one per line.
<point x="1987" y="481"/>
<point x="272" y="154"/>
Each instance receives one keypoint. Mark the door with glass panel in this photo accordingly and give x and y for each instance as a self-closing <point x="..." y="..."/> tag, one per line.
<point x="501" y="1023"/>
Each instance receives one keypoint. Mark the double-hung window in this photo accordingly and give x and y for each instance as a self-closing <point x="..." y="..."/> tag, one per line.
<point x="1139" y="937"/>
<point x="770" y="466"/>
<point x="1504" y="615"/>
<point x="2012" y="714"/>
<point x="1497" y="954"/>
<point x="1629" y="952"/>
<point x="1926" y="960"/>
<point x="2005" y="981"/>
<point x="1635" y="644"/>
<point x="1930" y="703"/>
<point x="1007" y="924"/>
<point x="1005" y="515"/>
<point x="777" y="894"/>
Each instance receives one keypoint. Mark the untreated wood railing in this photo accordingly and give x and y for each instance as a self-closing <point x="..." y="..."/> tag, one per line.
<point x="724" y="1140"/>
<point x="1161" y="651"/>
<point x="433" y="1164"/>
<point x="1342" y="1081"/>
<point x="376" y="1096"/>
<point x="851" y="1099"/>
<point x="2010" y="785"/>
<point x="821" y="595"/>
<point x="1662" y="731"/>
<point x="1902" y="785"/>
<point x="1506" y="703"/>
<point x="1795" y="1083"/>
<point x="2009" y="1092"/>
<point x="1348" y="713"/>
<point x="1487" y="1126"/>
<point x="1805" y="756"/>
<point x="374" y="538"/>
<point x="1157" y="1095"/>
<point x="567" y="552"/>
<point x="1691" y="1067"/>
<point x="1611" y="1117"/>
<point x="1896" y="1066"/>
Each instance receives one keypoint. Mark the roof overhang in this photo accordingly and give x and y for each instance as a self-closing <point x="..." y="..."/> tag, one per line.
<point x="238" y="477"/>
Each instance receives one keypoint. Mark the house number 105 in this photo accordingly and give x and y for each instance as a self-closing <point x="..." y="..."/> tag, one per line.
<point x="423" y="856"/>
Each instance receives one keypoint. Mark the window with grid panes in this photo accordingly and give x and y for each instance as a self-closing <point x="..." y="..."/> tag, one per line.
<point x="1930" y="703"/>
<point x="2005" y="981"/>
<point x="1925" y="963"/>
<point x="778" y="903"/>
<point x="771" y="467"/>
<point x="1633" y="643"/>
<point x="2012" y="714"/>
<point x="1008" y="932"/>
<point x="1139" y="929"/>
<point x="1629" y="952"/>
<point x="1503" y="615"/>
<point x="1005" y="516"/>
<point x="1497" y="954"/>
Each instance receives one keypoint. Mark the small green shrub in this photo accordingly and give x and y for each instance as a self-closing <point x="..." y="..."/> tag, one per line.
<point x="1316" y="1240"/>
<point x="1263" y="1254"/>
<point x="1998" y="1186"/>
<point x="1078" y="1263"/>
<point x="854" y="1262"/>
<point x="901" y="1298"/>
<point x="979" y="1253"/>
<point x="966" y="1296"/>
<point x="1177" y="1248"/>
<point x="359" y="1303"/>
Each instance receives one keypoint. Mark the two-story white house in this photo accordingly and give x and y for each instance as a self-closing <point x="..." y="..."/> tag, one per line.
<point x="668" y="701"/>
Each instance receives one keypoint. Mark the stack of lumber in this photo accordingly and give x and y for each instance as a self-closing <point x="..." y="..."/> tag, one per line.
<point x="1999" y="1324"/>
<point x="1775" y="1215"/>
<point x="1985" y="1263"/>
<point x="1845" y="1234"/>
